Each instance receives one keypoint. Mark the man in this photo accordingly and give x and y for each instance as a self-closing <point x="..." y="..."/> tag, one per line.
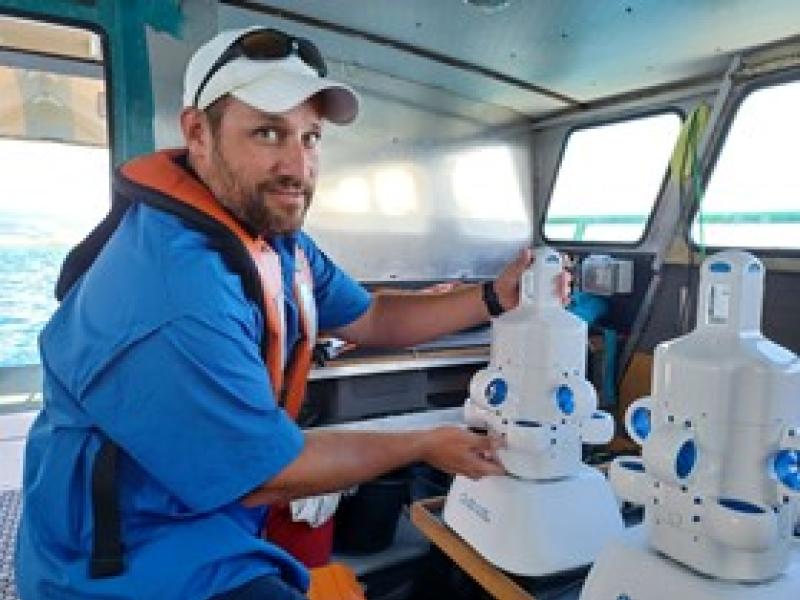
<point x="186" y="323"/>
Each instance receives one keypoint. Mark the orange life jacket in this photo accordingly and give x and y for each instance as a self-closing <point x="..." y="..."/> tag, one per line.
<point x="159" y="172"/>
<point x="157" y="180"/>
<point x="173" y="184"/>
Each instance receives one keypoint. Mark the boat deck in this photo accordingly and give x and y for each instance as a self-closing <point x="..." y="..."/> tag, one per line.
<point x="13" y="431"/>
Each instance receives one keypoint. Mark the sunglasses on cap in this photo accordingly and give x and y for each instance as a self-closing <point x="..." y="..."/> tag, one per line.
<point x="266" y="44"/>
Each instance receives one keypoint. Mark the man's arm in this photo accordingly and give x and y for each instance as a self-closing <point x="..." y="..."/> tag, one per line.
<point x="405" y="319"/>
<point x="336" y="460"/>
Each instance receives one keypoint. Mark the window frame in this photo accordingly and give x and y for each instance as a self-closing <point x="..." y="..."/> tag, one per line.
<point x="87" y="24"/>
<point x="632" y="245"/>
<point x="739" y="95"/>
<point x="17" y="376"/>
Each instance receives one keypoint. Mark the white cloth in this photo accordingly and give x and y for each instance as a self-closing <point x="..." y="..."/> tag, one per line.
<point x="315" y="510"/>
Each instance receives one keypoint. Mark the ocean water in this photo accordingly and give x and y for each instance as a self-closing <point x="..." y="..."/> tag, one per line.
<point x="27" y="282"/>
<point x="41" y="217"/>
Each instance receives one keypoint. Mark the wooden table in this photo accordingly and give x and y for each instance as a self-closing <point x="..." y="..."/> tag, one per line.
<point x="492" y="579"/>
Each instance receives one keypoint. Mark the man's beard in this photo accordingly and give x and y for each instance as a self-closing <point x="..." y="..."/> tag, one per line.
<point x="252" y="208"/>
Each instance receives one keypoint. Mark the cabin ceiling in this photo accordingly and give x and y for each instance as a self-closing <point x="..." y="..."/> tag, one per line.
<point x="534" y="57"/>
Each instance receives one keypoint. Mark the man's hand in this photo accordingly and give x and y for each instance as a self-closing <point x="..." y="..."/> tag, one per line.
<point x="461" y="452"/>
<point x="336" y="460"/>
<point x="564" y="285"/>
<point x="506" y="286"/>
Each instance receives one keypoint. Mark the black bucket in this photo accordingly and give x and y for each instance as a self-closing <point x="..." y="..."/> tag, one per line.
<point x="366" y="522"/>
<point x="427" y="482"/>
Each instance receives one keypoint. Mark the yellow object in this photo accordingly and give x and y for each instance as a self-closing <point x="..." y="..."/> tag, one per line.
<point x="684" y="157"/>
<point x="334" y="582"/>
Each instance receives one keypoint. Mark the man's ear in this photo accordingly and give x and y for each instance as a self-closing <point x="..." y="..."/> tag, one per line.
<point x="196" y="131"/>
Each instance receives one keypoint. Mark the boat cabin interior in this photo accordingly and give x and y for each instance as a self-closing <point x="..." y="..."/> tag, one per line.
<point x="636" y="138"/>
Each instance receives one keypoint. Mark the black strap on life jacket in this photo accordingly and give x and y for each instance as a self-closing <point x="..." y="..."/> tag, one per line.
<point x="82" y="256"/>
<point x="107" y="549"/>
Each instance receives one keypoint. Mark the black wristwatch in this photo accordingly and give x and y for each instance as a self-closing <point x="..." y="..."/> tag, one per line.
<point x="491" y="300"/>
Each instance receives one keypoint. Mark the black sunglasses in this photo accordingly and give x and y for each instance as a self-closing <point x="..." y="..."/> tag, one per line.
<point x="266" y="44"/>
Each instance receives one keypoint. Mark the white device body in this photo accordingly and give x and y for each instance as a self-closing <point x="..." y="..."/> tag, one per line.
<point x="629" y="569"/>
<point x="720" y="437"/>
<point x="534" y="394"/>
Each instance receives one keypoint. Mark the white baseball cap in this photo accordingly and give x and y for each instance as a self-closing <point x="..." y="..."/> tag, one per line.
<point x="267" y="69"/>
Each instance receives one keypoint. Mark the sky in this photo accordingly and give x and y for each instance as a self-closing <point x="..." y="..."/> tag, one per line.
<point x="51" y="192"/>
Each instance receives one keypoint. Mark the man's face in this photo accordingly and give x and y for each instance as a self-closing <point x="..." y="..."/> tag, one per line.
<point x="263" y="167"/>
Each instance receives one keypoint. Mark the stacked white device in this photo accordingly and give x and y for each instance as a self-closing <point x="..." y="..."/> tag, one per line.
<point x="718" y="474"/>
<point x="551" y="513"/>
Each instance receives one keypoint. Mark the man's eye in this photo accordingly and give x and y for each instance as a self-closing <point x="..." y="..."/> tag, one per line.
<point x="312" y="139"/>
<point x="269" y="134"/>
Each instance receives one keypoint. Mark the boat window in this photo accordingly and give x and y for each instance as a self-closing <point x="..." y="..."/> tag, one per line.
<point x="609" y="180"/>
<point x="752" y="199"/>
<point x="54" y="160"/>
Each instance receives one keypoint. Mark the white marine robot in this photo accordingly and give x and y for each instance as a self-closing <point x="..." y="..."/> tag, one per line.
<point x="718" y="474"/>
<point x="551" y="513"/>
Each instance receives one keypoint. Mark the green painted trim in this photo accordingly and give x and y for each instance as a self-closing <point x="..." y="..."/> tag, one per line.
<point x="54" y="9"/>
<point x="751" y="218"/>
<point x="132" y="88"/>
<point x="598" y="220"/>
<point x="786" y="216"/>
<point x="164" y="15"/>
<point x="743" y="218"/>
<point x="130" y="69"/>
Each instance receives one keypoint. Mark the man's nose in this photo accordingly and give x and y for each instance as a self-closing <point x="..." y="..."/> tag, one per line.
<point x="296" y="160"/>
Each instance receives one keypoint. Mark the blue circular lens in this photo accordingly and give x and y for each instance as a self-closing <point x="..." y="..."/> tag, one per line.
<point x="641" y="422"/>
<point x="496" y="391"/>
<point x="787" y="468"/>
<point x="687" y="456"/>
<point x="565" y="399"/>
